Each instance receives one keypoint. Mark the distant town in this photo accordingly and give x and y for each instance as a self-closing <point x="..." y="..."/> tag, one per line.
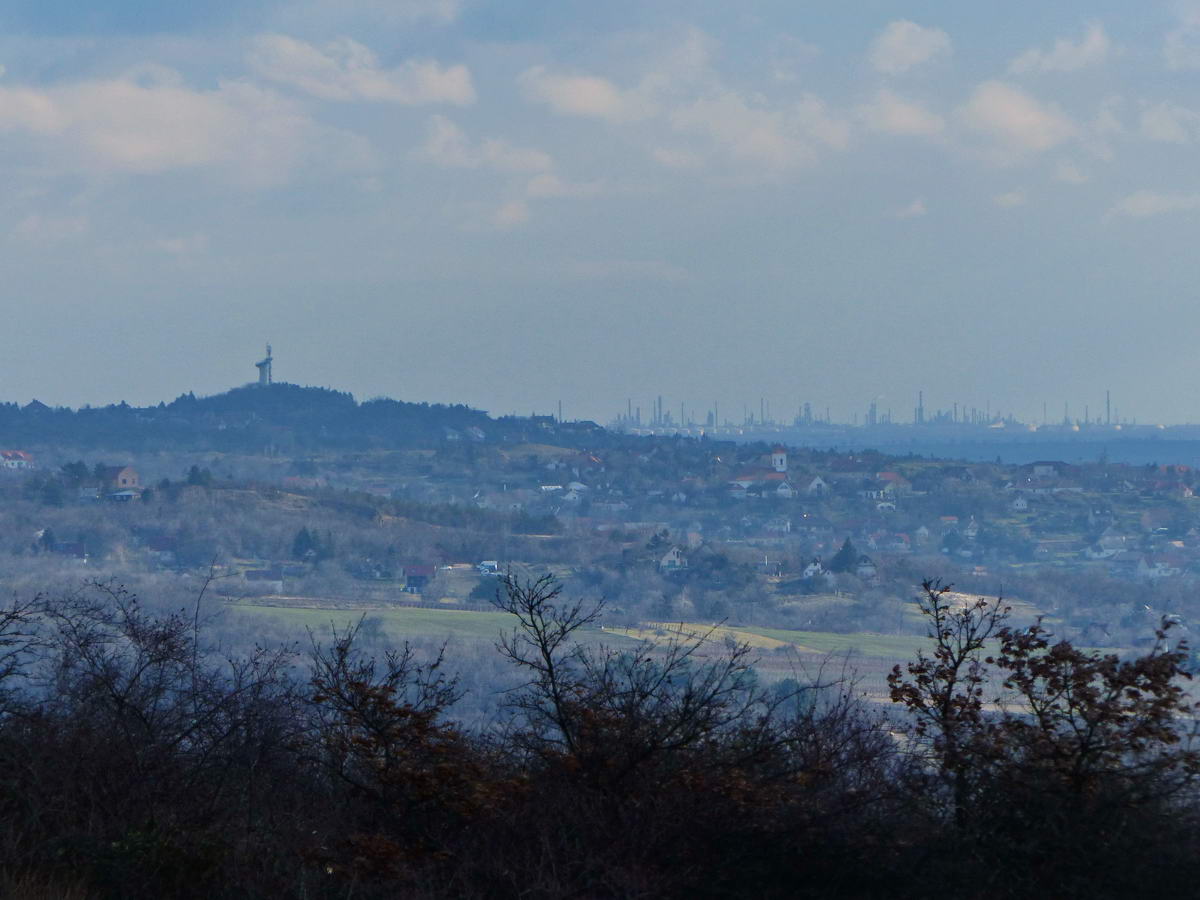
<point x="304" y="496"/>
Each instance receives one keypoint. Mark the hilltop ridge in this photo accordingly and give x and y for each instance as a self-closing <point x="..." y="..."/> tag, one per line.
<point x="279" y="415"/>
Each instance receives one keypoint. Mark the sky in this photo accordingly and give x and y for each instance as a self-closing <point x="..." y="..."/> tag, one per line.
<point x="512" y="204"/>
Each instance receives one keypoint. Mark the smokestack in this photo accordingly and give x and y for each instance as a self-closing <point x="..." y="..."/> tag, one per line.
<point x="1108" y="407"/>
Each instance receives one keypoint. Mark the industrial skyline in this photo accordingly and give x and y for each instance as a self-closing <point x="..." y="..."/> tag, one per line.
<point x="807" y="413"/>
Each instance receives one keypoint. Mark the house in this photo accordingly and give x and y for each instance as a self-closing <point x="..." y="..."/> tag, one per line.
<point x="899" y="483"/>
<point x="15" y="459"/>
<point x="813" y="570"/>
<point x="162" y="549"/>
<point x="120" y="478"/>
<point x="1125" y="563"/>
<point x="1047" y="468"/>
<point x="865" y="569"/>
<point x="818" y="487"/>
<point x="872" y="489"/>
<point x="1019" y="503"/>
<point x="673" y="560"/>
<point x="1156" y="566"/>
<point x="1112" y="539"/>
<point x="264" y="581"/>
<point x="417" y="578"/>
<point x="786" y="491"/>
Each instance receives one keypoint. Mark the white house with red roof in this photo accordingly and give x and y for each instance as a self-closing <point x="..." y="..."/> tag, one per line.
<point x="15" y="459"/>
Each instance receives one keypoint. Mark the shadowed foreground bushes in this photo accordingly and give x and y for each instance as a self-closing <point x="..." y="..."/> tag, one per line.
<point x="139" y="762"/>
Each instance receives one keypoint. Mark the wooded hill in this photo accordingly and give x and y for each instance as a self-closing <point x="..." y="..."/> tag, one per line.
<point x="281" y="416"/>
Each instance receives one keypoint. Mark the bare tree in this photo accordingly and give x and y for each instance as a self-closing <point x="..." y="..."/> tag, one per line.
<point x="945" y="691"/>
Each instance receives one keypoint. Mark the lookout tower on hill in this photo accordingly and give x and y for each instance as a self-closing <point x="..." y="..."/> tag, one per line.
<point x="264" y="369"/>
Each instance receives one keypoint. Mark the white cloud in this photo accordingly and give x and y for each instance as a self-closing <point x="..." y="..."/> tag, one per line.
<point x="511" y="214"/>
<point x="1011" y="199"/>
<point x="447" y="145"/>
<point x="904" y="44"/>
<point x="789" y="55"/>
<point x="147" y="125"/>
<point x="1169" y="123"/>
<point x="760" y="135"/>
<point x="1066" y="56"/>
<point x="913" y="210"/>
<point x="1069" y="173"/>
<point x="51" y="228"/>
<point x="580" y="95"/>
<point x="671" y="73"/>
<point x="346" y="70"/>
<point x="1181" y="47"/>
<point x="1018" y="121"/>
<point x="892" y="114"/>
<point x="1141" y="204"/>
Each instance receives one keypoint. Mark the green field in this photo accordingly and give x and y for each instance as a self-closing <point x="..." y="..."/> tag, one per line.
<point x="400" y="622"/>
<point x="410" y="622"/>
<point x="885" y="646"/>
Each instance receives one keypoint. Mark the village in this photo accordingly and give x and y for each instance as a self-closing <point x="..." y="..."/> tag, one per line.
<point x="664" y="527"/>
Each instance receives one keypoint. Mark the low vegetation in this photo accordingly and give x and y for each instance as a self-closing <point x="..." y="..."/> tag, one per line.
<point x="143" y="760"/>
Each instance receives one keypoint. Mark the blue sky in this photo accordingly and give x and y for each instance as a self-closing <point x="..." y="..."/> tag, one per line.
<point x="511" y="204"/>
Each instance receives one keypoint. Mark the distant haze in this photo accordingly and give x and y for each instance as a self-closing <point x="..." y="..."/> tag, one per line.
<point x="511" y="204"/>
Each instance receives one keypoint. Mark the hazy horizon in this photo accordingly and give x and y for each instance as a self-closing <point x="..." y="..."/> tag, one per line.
<point x="514" y="205"/>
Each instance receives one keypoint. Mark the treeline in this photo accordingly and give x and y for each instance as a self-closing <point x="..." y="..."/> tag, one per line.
<point x="285" y="417"/>
<point x="139" y="762"/>
<point x="449" y="515"/>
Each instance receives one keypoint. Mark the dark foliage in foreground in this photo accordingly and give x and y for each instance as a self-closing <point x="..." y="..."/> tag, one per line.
<point x="139" y="763"/>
